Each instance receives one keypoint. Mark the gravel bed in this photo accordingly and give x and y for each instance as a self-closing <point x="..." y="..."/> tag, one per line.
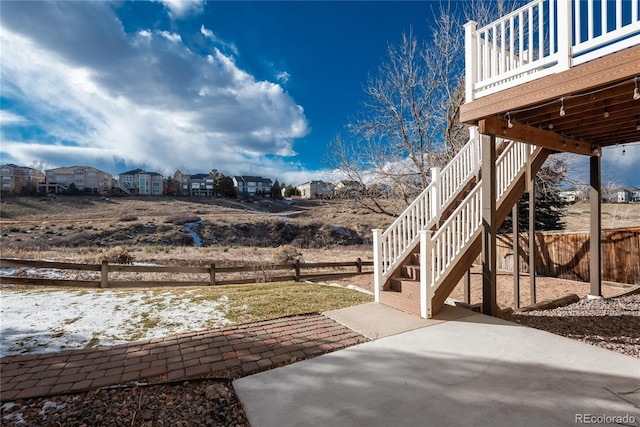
<point x="189" y="403"/>
<point x="612" y="323"/>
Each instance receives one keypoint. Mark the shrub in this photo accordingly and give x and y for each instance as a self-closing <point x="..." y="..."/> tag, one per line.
<point x="128" y="218"/>
<point x="286" y="254"/>
<point x="182" y="219"/>
<point x="118" y="255"/>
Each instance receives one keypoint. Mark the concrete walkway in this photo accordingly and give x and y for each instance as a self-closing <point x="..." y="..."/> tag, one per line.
<point x="472" y="370"/>
<point x="228" y="353"/>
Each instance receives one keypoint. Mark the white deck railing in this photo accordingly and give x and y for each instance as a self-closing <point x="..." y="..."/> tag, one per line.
<point x="440" y="250"/>
<point x="545" y="37"/>
<point x="393" y="245"/>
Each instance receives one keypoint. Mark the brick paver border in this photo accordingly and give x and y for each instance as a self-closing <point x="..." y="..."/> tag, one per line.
<point x="243" y="349"/>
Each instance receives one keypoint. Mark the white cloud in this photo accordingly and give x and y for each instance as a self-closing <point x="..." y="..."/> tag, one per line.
<point x="217" y="40"/>
<point x="182" y="8"/>
<point x="104" y="98"/>
<point x="170" y="36"/>
<point x="283" y="76"/>
<point x="8" y="118"/>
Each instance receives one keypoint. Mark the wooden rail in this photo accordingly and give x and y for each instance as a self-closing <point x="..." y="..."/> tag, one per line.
<point x="261" y="273"/>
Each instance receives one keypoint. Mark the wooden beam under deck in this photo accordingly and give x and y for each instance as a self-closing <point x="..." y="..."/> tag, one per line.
<point x="618" y="66"/>
<point x="536" y="136"/>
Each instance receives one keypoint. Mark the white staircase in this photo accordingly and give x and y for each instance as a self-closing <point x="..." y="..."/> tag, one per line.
<point x="420" y="258"/>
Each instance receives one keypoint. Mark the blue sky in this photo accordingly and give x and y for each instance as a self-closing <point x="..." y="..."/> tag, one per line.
<point x="244" y="87"/>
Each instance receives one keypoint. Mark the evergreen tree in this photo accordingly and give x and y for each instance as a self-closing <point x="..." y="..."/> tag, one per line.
<point x="550" y="207"/>
<point x="224" y="186"/>
<point x="291" y="191"/>
<point x="276" y="190"/>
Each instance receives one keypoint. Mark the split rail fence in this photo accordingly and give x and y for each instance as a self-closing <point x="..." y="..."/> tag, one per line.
<point x="256" y="273"/>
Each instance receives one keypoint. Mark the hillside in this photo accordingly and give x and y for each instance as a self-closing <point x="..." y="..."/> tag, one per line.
<point x="160" y="224"/>
<point x="170" y="225"/>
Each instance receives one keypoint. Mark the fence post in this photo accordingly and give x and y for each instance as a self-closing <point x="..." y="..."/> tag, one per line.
<point x="297" y="267"/>
<point x="104" y="274"/>
<point x="359" y="265"/>
<point x="212" y="274"/>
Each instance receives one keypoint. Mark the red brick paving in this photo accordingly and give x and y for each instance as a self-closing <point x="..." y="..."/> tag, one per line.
<point x="250" y="348"/>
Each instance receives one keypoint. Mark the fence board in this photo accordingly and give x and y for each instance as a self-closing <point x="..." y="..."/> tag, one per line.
<point x="566" y="255"/>
<point x="12" y="262"/>
<point x="157" y="269"/>
<point x="6" y="280"/>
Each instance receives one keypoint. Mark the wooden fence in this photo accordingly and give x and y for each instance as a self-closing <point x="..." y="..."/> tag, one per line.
<point x="255" y="273"/>
<point x="566" y="255"/>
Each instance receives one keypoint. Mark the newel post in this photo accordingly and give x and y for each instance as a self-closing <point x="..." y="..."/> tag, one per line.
<point x="425" y="273"/>
<point x="435" y="194"/>
<point x="476" y="159"/>
<point x="377" y="262"/>
<point x="565" y="34"/>
<point x="470" y="59"/>
<point x="104" y="274"/>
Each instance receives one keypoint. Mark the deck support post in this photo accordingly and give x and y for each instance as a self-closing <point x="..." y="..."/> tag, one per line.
<point x="467" y="287"/>
<point x="532" y="239"/>
<point x="595" y="228"/>
<point x="516" y="256"/>
<point x="489" y="227"/>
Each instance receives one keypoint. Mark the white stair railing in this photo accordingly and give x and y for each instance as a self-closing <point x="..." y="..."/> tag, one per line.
<point x="393" y="245"/>
<point x="442" y="248"/>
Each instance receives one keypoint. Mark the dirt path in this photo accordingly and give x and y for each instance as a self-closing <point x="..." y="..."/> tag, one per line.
<point x="546" y="287"/>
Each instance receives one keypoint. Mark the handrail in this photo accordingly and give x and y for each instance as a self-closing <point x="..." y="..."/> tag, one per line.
<point x="446" y="244"/>
<point x="393" y="245"/>
<point x="545" y="37"/>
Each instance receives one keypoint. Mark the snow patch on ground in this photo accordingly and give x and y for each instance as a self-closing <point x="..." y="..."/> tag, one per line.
<point x="45" y="321"/>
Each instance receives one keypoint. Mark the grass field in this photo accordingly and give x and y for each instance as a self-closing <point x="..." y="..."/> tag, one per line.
<point x="44" y="320"/>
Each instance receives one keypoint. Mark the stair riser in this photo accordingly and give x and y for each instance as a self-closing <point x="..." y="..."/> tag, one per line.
<point x="411" y="272"/>
<point x="396" y="300"/>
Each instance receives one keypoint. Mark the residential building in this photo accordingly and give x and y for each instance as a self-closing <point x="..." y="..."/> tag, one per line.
<point x="250" y="186"/>
<point x="315" y="189"/>
<point x="201" y="185"/>
<point x="20" y="179"/>
<point x="140" y="182"/>
<point x="85" y="178"/>
<point x="569" y="196"/>
<point x="628" y="194"/>
<point x="347" y="188"/>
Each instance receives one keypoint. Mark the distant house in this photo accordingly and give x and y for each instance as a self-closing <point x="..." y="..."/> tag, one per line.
<point x="20" y="179"/>
<point x="249" y="186"/>
<point x="569" y="196"/>
<point x="85" y="178"/>
<point x="201" y="185"/>
<point x="140" y="182"/>
<point x="347" y="188"/>
<point x="315" y="189"/>
<point x="628" y="194"/>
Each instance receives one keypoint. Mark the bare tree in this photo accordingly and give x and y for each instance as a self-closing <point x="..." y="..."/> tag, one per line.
<point x="39" y="165"/>
<point x="410" y="117"/>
